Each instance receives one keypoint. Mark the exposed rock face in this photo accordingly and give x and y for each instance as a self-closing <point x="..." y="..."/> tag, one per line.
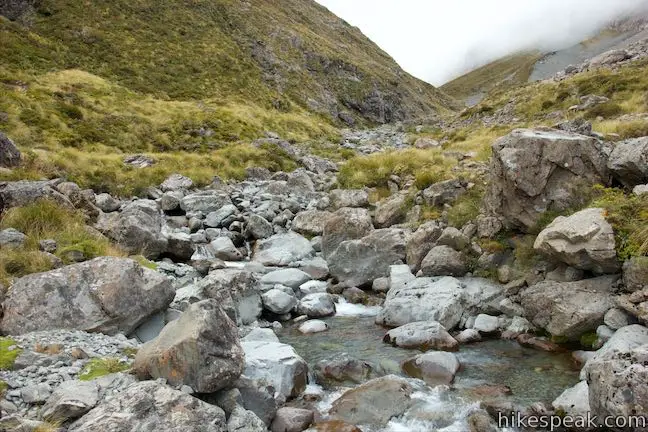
<point x="345" y="224"/>
<point x="137" y="228"/>
<point x="629" y="162"/>
<point x="282" y="249"/>
<point x="9" y="153"/>
<point x="623" y="340"/>
<point x="200" y="349"/>
<point x="424" y="335"/>
<point x="569" y="309"/>
<point x="635" y="274"/>
<point x="424" y="299"/>
<point x="106" y="295"/>
<point x="150" y="405"/>
<point x="539" y="170"/>
<point x="368" y="405"/>
<point x="359" y="262"/>
<point x="584" y="240"/>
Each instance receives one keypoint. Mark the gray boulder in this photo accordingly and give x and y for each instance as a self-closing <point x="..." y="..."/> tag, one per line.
<point x="290" y="277"/>
<point x="424" y="299"/>
<point x="584" y="240"/>
<point x="282" y="249"/>
<point x="290" y="419"/>
<point x="9" y="153"/>
<point x="444" y="261"/>
<point x="317" y="305"/>
<point x="205" y="201"/>
<point x="258" y="227"/>
<point x="435" y="368"/>
<point x="310" y="222"/>
<point x="420" y="243"/>
<point x="574" y="401"/>
<point x="11" y="238"/>
<point x="24" y="192"/>
<point x="623" y="341"/>
<point x="343" y="369"/>
<point x="538" y="170"/>
<point x="179" y="246"/>
<point x="423" y="335"/>
<point x="635" y="274"/>
<point x="242" y="420"/>
<point x="107" y="203"/>
<point x="278" y="302"/>
<point x="445" y="192"/>
<point x="359" y="262"/>
<point x="108" y="295"/>
<point x="345" y="224"/>
<point x="149" y="406"/>
<point x="453" y="238"/>
<point x="176" y="182"/>
<point x="223" y="248"/>
<point x="340" y="198"/>
<point x="71" y="400"/>
<point x="390" y="211"/>
<point x="200" y="349"/>
<point x="609" y="58"/>
<point x="569" y="309"/>
<point x="629" y="162"/>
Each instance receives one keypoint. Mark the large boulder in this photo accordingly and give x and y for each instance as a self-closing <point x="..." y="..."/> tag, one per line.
<point x="423" y="335"/>
<point x="584" y="240"/>
<point x="108" y="295"/>
<point x="343" y="369"/>
<point x="236" y="291"/>
<point x="282" y="249"/>
<point x="359" y="262"/>
<point x="444" y="192"/>
<point x="71" y="400"/>
<point x="311" y="222"/>
<point x="176" y="182"/>
<point x="420" y="243"/>
<point x="9" y="153"/>
<point x="390" y="211"/>
<point x="200" y="349"/>
<point x="316" y="305"/>
<point x="629" y="162"/>
<point x="275" y="364"/>
<point x="374" y="402"/>
<point x="444" y="261"/>
<point x="635" y="274"/>
<point x="435" y="368"/>
<point x="340" y="198"/>
<point x="205" y="201"/>
<point x="24" y="192"/>
<point x="290" y="277"/>
<point x="424" y="299"/>
<point x="569" y="309"/>
<point x="345" y="224"/>
<point x="137" y="228"/>
<point x="623" y="341"/>
<point x="574" y="401"/>
<point x="278" y="301"/>
<point x="292" y="420"/>
<point x="538" y="170"/>
<point x="151" y="406"/>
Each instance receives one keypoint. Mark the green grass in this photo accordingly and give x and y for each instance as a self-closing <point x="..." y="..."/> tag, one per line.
<point x="466" y="208"/>
<point x="43" y="220"/>
<point x="7" y="356"/>
<point x="98" y="367"/>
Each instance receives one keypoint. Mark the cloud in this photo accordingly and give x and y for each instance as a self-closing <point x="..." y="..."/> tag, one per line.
<point x="437" y="40"/>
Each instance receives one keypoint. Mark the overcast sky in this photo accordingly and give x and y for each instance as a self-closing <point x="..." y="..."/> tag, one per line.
<point x="437" y="40"/>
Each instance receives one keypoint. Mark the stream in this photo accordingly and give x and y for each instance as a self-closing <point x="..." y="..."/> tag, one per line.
<point x="532" y="375"/>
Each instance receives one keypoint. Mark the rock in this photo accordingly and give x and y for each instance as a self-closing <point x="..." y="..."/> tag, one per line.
<point x="425" y="143"/>
<point x="316" y="305"/>
<point x="359" y="262"/>
<point x="258" y="228"/>
<point x="367" y="404"/>
<point x="278" y="302"/>
<point x="468" y="336"/>
<point x="635" y="274"/>
<point x="488" y="226"/>
<point x="453" y="238"/>
<point x="629" y="162"/>
<point x="342" y="369"/>
<point x="481" y="421"/>
<point x="311" y="222"/>
<point x="486" y="324"/>
<point x="282" y="249"/>
<point x="335" y="426"/>
<point x="137" y="228"/>
<point x="390" y="211"/>
<point x="574" y="401"/>
<point x="445" y="192"/>
<point x="71" y="400"/>
<point x="206" y="201"/>
<point x="313" y="326"/>
<point x="340" y="198"/>
<point x="623" y="341"/>
<point x="35" y="393"/>
<point x="22" y="193"/>
<point x="424" y="299"/>
<point x="345" y="224"/>
<point x="617" y="384"/>
<point x="179" y="246"/>
<point x="564" y="273"/>
<point x="616" y="318"/>
<point x="11" y="238"/>
<point x="584" y="240"/>
<point x="609" y="58"/>
<point x="435" y="368"/>
<point x="420" y="243"/>
<point x="48" y="245"/>
<point x="139" y="161"/>
<point x="106" y="295"/>
<point x="242" y="420"/>
<point x="258" y="397"/>
<point x="223" y="248"/>
<point x="355" y="295"/>
<point x="290" y="277"/>
<point x="107" y="203"/>
<point x="443" y="261"/>
<point x="261" y="334"/>
<point x="170" y="202"/>
<point x="380" y="285"/>
<point x="200" y="349"/>
<point x="276" y="364"/>
<point x="150" y="405"/>
<point x="313" y="287"/>
<point x="9" y="153"/>
<point x="292" y="420"/>
<point x="538" y="170"/>
<point x="569" y="309"/>
<point x="176" y="182"/>
<point x="640" y="190"/>
<point x="216" y="218"/>
<point x="423" y="335"/>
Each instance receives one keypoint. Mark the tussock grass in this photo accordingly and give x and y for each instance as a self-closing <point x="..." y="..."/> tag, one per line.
<point x="625" y="129"/>
<point x="7" y="356"/>
<point x="466" y="208"/>
<point x="98" y="367"/>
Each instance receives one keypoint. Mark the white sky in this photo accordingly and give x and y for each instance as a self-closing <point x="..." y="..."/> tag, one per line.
<point x="437" y="40"/>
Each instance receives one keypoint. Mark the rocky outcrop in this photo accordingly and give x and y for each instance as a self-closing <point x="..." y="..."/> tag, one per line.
<point x="540" y="170"/>
<point x="200" y="349"/>
<point x="629" y="162"/>
<point x="359" y="262"/>
<point x="150" y="405"/>
<point x="24" y="192"/>
<point x="107" y="295"/>
<point x="584" y="240"/>
<point x="9" y="153"/>
<point x="569" y="309"/>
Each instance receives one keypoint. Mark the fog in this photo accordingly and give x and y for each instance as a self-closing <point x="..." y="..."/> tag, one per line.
<point x="438" y="40"/>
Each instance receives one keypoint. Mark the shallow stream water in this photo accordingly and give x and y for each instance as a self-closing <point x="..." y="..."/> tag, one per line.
<point x="532" y="375"/>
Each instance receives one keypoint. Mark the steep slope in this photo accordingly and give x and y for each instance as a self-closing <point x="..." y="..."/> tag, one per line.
<point x="278" y="55"/>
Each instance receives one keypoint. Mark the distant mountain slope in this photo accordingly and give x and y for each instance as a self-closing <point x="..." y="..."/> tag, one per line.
<point x="280" y="55"/>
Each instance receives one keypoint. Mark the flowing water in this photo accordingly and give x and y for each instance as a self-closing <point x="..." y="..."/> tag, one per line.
<point x="532" y="375"/>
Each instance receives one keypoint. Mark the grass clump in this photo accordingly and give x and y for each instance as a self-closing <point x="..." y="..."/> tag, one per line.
<point x="98" y="367"/>
<point x="624" y="129"/>
<point x="466" y="208"/>
<point x="427" y="166"/>
<point x="8" y="356"/>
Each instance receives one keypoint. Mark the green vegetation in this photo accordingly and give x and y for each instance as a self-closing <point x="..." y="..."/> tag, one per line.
<point x="8" y="356"/>
<point x="466" y="208"/>
<point x="43" y="220"/>
<point x="98" y="367"/>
